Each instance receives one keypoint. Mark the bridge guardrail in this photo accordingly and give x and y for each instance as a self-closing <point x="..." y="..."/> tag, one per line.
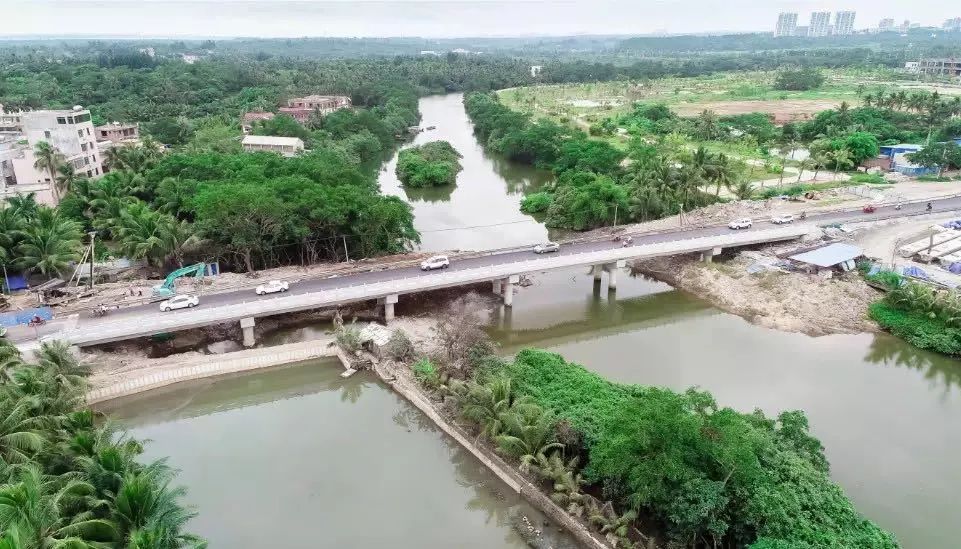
<point x="124" y="329"/>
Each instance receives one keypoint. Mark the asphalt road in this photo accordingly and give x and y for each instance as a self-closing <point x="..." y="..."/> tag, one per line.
<point x="142" y="312"/>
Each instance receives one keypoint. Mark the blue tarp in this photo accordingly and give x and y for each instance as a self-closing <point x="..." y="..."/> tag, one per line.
<point x="916" y="272"/>
<point x="25" y="316"/>
<point x="955" y="267"/>
<point x="17" y="282"/>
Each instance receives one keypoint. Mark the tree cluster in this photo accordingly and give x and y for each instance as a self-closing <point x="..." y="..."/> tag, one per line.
<point x="595" y="186"/>
<point x="67" y="479"/>
<point x="429" y="165"/>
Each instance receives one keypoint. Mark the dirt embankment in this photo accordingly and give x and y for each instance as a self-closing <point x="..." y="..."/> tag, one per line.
<point x="791" y="302"/>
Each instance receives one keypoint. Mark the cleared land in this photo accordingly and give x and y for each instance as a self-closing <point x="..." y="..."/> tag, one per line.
<point x="724" y="93"/>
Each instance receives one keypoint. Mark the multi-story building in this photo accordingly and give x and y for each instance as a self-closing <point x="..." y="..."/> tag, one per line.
<point x="904" y="26"/>
<point x="786" y="24"/>
<point x="69" y="131"/>
<point x="952" y="25"/>
<point x="820" y="21"/>
<point x="10" y="122"/>
<point x="118" y="133"/>
<point x="302" y="107"/>
<point x="886" y="25"/>
<point x="844" y="22"/>
<point x="940" y="67"/>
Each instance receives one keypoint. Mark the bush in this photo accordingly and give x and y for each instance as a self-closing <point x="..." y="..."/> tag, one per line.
<point x="799" y="80"/>
<point x="426" y="374"/>
<point x="917" y="328"/>
<point x="399" y="346"/>
<point x="429" y="165"/>
<point x="931" y="178"/>
<point x="888" y="279"/>
<point x="348" y="337"/>
<point x="871" y="178"/>
<point x="536" y="202"/>
<point x="702" y="470"/>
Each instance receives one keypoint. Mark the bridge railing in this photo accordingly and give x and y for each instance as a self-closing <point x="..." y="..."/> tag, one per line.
<point x="112" y="330"/>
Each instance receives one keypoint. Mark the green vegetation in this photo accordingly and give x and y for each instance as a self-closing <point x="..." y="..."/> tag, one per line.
<point x="69" y="480"/>
<point x="594" y="186"/>
<point x="735" y="479"/>
<point x="922" y="316"/>
<point x="938" y="155"/>
<point x="870" y="178"/>
<point x="807" y="78"/>
<point x="429" y="165"/>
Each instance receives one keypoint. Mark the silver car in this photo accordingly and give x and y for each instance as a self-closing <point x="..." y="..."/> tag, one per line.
<point x="546" y="248"/>
<point x="436" y="262"/>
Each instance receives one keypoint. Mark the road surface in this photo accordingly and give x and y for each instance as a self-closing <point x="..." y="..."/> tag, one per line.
<point x="142" y="313"/>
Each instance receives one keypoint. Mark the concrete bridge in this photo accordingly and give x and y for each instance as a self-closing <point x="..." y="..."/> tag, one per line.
<point x="502" y="270"/>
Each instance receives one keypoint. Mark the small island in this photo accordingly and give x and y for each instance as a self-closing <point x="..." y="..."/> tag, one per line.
<point x="432" y="164"/>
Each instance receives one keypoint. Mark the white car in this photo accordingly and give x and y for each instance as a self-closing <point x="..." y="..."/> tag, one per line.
<point x="179" y="302"/>
<point x="782" y="219"/>
<point x="546" y="247"/>
<point x="436" y="262"/>
<point x="740" y="224"/>
<point x="273" y="287"/>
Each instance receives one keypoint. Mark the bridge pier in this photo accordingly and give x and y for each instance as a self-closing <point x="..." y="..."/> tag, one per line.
<point x="497" y="287"/>
<point x="508" y="284"/>
<point x="247" y="325"/>
<point x="389" y="302"/>
<point x="707" y="256"/>
<point x="596" y="271"/>
<point x="612" y="269"/>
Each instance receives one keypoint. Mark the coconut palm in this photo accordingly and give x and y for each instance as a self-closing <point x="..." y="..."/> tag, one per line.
<point x="147" y="234"/>
<point x="20" y="436"/>
<point x="49" y="243"/>
<point x="23" y="206"/>
<point x="842" y="160"/>
<point x="147" y="508"/>
<point x="615" y="527"/>
<point x="485" y="404"/>
<point x="53" y="511"/>
<point x="528" y="430"/>
<point x="10" y="360"/>
<point x="48" y="158"/>
<point x="67" y="177"/>
<point x="806" y="164"/>
<point x="57" y="360"/>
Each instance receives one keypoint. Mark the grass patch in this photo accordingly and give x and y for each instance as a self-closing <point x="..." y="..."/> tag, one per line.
<point x="917" y="329"/>
<point x="870" y="178"/>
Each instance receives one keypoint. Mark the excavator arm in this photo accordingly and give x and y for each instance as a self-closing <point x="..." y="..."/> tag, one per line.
<point x="169" y="288"/>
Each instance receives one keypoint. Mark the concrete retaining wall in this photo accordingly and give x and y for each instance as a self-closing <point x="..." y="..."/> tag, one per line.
<point x="215" y="365"/>
<point x="495" y="464"/>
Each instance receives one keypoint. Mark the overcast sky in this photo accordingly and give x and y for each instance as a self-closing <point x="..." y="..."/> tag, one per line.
<point x="433" y="18"/>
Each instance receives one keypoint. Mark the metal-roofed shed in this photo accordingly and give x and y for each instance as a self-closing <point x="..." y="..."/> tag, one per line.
<point x="828" y="257"/>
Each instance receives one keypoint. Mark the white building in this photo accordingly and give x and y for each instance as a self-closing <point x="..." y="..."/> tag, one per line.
<point x="844" y="22"/>
<point x="886" y="25"/>
<point x="820" y="21"/>
<point x="287" y="146"/>
<point x="71" y="132"/>
<point x="786" y="24"/>
<point x="535" y="70"/>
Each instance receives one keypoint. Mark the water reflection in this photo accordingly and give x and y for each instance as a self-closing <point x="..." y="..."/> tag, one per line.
<point x="429" y="194"/>
<point x="325" y="456"/>
<point x="888" y="350"/>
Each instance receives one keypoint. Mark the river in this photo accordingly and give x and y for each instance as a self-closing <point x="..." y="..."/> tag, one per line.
<point x="319" y="456"/>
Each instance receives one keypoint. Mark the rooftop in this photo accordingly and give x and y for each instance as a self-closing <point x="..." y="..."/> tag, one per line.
<point x="830" y="255"/>
<point x="272" y="140"/>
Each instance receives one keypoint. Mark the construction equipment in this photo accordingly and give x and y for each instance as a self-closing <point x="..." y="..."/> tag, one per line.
<point x="168" y="288"/>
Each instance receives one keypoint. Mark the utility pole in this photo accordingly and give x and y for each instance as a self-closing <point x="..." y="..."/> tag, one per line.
<point x="93" y="237"/>
<point x="6" y="281"/>
<point x="346" y="255"/>
<point x="615" y="215"/>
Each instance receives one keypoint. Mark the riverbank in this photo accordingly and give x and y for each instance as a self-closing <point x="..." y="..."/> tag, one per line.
<point x="790" y="302"/>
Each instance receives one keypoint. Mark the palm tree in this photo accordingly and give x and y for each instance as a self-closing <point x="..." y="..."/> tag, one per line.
<point x="706" y="124"/>
<point x="806" y="164"/>
<point x="10" y="360"/>
<point x="147" y="509"/>
<point x="23" y="206"/>
<point x="742" y="189"/>
<point x="48" y="158"/>
<point x="485" y="404"/>
<point x="528" y="430"/>
<point x="53" y="511"/>
<point x="49" y="243"/>
<point x="57" y="360"/>
<point x="20" y="436"/>
<point x="145" y="233"/>
<point x="820" y="160"/>
<point x="842" y="159"/>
